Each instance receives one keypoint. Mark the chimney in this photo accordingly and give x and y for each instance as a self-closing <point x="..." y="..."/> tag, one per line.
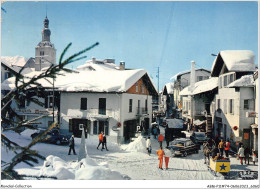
<point x="93" y="59"/>
<point x="192" y="76"/>
<point x="122" y="65"/>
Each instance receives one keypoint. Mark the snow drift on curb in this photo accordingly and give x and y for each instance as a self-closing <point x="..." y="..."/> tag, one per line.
<point x="86" y="169"/>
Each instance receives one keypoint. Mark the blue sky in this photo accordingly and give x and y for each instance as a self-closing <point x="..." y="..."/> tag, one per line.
<point x="143" y="34"/>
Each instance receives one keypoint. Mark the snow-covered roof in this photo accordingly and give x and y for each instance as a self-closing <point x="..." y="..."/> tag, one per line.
<point x="201" y="87"/>
<point x="98" y="66"/>
<point x="169" y="87"/>
<point x="186" y="72"/>
<point x="18" y="61"/>
<point x="244" y="81"/>
<point x="235" y="61"/>
<point x="92" y="81"/>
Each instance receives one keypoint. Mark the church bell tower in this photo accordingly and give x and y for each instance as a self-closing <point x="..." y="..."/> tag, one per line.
<point x="45" y="52"/>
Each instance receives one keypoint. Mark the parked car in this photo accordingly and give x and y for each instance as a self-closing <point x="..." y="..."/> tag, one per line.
<point x="183" y="147"/>
<point x="199" y="137"/>
<point x="52" y="136"/>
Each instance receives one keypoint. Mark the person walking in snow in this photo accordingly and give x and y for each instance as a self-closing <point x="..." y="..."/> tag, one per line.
<point x="100" y="137"/>
<point x="155" y="132"/>
<point x="227" y="147"/>
<point x="160" y="139"/>
<point x="160" y="153"/>
<point x="241" y="154"/>
<point x="167" y="156"/>
<point x="71" y="145"/>
<point x="167" y="136"/>
<point x="149" y="146"/>
<point x="104" y="143"/>
<point x="247" y="154"/>
<point x="254" y="157"/>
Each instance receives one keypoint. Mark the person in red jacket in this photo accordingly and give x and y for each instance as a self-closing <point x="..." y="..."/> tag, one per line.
<point x="227" y="147"/>
<point x="100" y="137"/>
<point x="160" y="153"/>
<point x="160" y="140"/>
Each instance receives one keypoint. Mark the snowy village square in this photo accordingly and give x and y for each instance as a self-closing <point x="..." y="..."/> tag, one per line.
<point x="127" y="91"/>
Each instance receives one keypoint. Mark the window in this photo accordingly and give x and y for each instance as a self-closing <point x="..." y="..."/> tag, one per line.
<point x="83" y="103"/>
<point x="219" y="104"/>
<point x="225" y="81"/>
<point x="51" y="102"/>
<point x="138" y="107"/>
<point x="95" y="128"/>
<point x="130" y="105"/>
<point x="231" y="106"/>
<point x="231" y="78"/>
<point x="206" y="77"/>
<point x="142" y="88"/>
<point x="102" y="106"/>
<point x="225" y="106"/>
<point x="246" y="104"/>
<point x="41" y="53"/>
<point x="136" y="87"/>
<point x="146" y="105"/>
<point x="199" y="78"/>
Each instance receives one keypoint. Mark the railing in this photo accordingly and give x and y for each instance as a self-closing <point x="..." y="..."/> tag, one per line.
<point x="141" y="111"/>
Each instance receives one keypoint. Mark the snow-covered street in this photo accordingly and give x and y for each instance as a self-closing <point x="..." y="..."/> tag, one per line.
<point x="126" y="162"/>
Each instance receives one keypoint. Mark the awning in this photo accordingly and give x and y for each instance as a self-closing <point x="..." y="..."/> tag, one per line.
<point x="254" y="126"/>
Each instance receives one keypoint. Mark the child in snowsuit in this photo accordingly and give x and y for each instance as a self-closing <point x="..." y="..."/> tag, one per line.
<point x="160" y="153"/>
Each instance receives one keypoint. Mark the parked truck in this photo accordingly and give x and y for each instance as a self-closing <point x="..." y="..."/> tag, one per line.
<point x="174" y="128"/>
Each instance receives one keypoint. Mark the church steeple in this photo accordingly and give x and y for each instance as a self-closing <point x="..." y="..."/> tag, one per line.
<point x="45" y="52"/>
<point x="46" y="33"/>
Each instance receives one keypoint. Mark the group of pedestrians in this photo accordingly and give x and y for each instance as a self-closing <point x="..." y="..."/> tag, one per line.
<point x="166" y="153"/>
<point x="162" y="154"/>
<point x="244" y="154"/>
<point x="102" y="140"/>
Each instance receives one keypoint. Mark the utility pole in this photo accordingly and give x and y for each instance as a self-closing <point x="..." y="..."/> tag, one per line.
<point x="158" y="76"/>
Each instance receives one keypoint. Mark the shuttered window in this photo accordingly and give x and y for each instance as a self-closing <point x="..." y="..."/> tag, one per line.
<point x="83" y="103"/>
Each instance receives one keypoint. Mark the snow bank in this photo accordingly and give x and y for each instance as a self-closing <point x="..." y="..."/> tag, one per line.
<point x="28" y="132"/>
<point x="138" y="145"/>
<point x="86" y="169"/>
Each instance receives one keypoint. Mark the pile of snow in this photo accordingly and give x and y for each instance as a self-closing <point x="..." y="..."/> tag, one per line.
<point x="27" y="133"/>
<point x="175" y="123"/>
<point x="86" y="169"/>
<point x="138" y="145"/>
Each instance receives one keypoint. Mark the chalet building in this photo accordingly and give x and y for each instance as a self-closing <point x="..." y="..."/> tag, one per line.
<point x="235" y="98"/>
<point x="182" y="80"/>
<point x="196" y="105"/>
<point x="113" y="100"/>
<point x="255" y="125"/>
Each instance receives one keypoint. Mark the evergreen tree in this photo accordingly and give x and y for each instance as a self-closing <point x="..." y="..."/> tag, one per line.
<point x="28" y="89"/>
